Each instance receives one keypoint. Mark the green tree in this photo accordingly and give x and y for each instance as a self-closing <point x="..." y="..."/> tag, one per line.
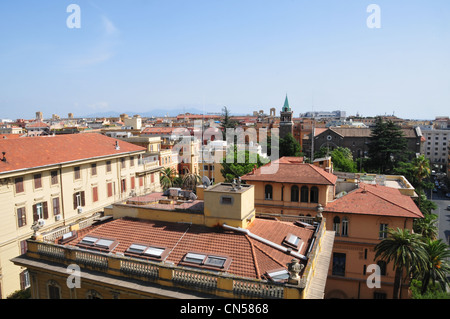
<point x="190" y="181"/>
<point x="235" y="169"/>
<point x="289" y="146"/>
<point x="425" y="205"/>
<point x="406" y="252"/>
<point x="167" y="178"/>
<point x="227" y="122"/>
<point x="341" y="157"/>
<point x="387" y="146"/>
<point x="426" y="227"/>
<point x="436" y="268"/>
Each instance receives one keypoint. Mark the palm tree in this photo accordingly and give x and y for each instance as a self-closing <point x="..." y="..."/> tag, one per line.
<point x="191" y="180"/>
<point x="422" y="171"/>
<point x="437" y="267"/>
<point x="406" y="251"/>
<point x="167" y="178"/>
<point x="426" y="226"/>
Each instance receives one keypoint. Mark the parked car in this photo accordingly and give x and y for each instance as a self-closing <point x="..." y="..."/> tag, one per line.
<point x="447" y="195"/>
<point x="448" y="207"/>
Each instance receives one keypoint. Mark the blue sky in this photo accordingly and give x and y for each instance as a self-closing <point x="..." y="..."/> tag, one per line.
<point x="139" y="55"/>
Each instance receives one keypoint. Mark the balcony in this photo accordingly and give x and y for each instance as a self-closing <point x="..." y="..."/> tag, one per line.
<point x="188" y="279"/>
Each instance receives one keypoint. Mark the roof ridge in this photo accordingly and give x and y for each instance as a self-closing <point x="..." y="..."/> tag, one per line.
<point x="322" y="172"/>
<point x="255" y="260"/>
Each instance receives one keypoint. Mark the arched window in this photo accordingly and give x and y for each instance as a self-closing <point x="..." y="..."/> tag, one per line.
<point x="304" y="194"/>
<point x="294" y="193"/>
<point x="337" y="225"/>
<point x="53" y="290"/>
<point x="344" y="226"/>
<point x="93" y="294"/>
<point x="268" y="192"/>
<point x="314" y="195"/>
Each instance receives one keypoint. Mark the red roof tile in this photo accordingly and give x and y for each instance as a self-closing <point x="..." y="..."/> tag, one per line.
<point x="291" y="172"/>
<point x="375" y="200"/>
<point x="23" y="153"/>
<point x="250" y="258"/>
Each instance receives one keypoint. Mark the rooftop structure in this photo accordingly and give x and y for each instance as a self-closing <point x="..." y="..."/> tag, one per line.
<point x="176" y="245"/>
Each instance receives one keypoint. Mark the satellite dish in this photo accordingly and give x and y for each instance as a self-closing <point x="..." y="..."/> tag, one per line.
<point x="205" y="181"/>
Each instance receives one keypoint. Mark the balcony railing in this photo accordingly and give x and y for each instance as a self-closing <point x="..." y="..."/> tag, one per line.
<point x="219" y="284"/>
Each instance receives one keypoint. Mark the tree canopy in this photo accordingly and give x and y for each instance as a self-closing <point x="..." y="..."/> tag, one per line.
<point x="387" y="147"/>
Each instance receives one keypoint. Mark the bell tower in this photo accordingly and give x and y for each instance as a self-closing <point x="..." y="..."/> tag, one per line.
<point x="286" y="123"/>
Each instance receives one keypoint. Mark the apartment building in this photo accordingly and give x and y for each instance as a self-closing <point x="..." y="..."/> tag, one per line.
<point x="58" y="180"/>
<point x="357" y="209"/>
<point x="435" y="147"/>
<point x="176" y="246"/>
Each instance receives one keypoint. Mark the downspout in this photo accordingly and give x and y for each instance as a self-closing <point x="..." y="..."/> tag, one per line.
<point x="265" y="241"/>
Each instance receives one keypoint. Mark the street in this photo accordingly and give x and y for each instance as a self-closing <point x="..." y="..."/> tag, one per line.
<point x="444" y="215"/>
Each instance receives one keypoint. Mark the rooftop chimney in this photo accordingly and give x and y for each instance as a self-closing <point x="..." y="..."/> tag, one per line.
<point x="4" y="158"/>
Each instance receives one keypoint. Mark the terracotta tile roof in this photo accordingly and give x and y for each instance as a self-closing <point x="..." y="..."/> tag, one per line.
<point x="375" y="200"/>
<point x="250" y="258"/>
<point x="158" y="130"/>
<point x="37" y="124"/>
<point x="23" y="153"/>
<point x="291" y="172"/>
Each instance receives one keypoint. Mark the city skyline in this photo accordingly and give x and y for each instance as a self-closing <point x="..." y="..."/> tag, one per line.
<point x="138" y="56"/>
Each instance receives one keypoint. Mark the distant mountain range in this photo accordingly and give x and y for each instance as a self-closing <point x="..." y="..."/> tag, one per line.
<point x="150" y="113"/>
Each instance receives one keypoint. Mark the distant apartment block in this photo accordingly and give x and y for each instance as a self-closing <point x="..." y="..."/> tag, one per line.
<point x="435" y="147"/>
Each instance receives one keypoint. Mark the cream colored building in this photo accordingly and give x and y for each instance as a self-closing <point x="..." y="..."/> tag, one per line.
<point x="58" y="180"/>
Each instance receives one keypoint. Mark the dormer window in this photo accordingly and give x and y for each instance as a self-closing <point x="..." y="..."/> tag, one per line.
<point x="211" y="262"/>
<point x="147" y="252"/>
<point x="101" y="244"/>
<point x="293" y="241"/>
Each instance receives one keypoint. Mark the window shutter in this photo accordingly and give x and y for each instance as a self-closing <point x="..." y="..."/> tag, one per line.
<point x="75" y="201"/>
<point x="22" y="281"/>
<point x="83" y="203"/>
<point x="45" y="210"/>
<point x="35" y="214"/>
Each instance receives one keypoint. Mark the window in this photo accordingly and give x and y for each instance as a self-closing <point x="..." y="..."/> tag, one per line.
<point x="294" y="194"/>
<point x="383" y="231"/>
<point x="23" y="247"/>
<point x="54" y="177"/>
<point x="77" y="173"/>
<point x="78" y="200"/>
<point x="268" y="192"/>
<point x="37" y="181"/>
<point x="293" y="241"/>
<point x="212" y="262"/>
<point x="337" y="225"/>
<point x="123" y="186"/>
<point x="152" y="178"/>
<point x="102" y="244"/>
<point x="53" y="290"/>
<point x="68" y="237"/>
<point x="108" y="166"/>
<point x="379" y="295"/>
<point x="110" y="189"/>
<point x="131" y="161"/>
<point x="133" y="182"/>
<point x="122" y="162"/>
<point x="280" y="275"/>
<point x="24" y="279"/>
<point x="344" y="227"/>
<point x="382" y="265"/>
<point x="95" y="194"/>
<point x="147" y="252"/>
<point x="94" y="169"/>
<point x="40" y="211"/>
<point x="56" y="209"/>
<point x="21" y="216"/>
<point x="338" y="264"/>
<point x="19" y="185"/>
<point x="226" y="200"/>
<point x="314" y="194"/>
<point x="141" y="181"/>
<point x="304" y="194"/>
